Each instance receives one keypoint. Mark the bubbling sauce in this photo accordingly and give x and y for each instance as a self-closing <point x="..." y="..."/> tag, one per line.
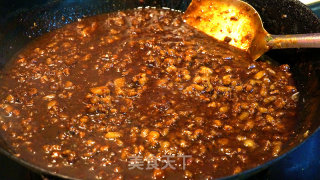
<point x="139" y="94"/>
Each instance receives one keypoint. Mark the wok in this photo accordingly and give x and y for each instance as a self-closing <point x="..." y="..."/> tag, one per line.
<point x="22" y="21"/>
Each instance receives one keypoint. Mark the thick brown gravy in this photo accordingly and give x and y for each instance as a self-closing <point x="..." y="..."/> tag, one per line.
<point x="139" y="94"/>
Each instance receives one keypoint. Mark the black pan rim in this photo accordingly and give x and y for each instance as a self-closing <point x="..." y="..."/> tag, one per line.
<point x="240" y="175"/>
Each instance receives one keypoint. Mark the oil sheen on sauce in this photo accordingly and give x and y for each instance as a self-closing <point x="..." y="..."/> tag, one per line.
<point x="104" y="97"/>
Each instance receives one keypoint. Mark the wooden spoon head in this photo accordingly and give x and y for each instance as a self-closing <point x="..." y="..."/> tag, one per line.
<point x="232" y="21"/>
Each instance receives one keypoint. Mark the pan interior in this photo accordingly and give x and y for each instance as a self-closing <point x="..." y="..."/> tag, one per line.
<point x="21" y="25"/>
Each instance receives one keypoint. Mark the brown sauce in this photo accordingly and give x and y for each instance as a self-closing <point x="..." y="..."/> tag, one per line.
<point x="85" y="99"/>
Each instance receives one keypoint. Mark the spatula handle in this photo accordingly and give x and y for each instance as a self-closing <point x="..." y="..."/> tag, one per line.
<point x="294" y="41"/>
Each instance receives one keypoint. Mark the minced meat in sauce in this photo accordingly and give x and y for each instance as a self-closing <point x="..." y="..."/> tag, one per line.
<point x="139" y="94"/>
